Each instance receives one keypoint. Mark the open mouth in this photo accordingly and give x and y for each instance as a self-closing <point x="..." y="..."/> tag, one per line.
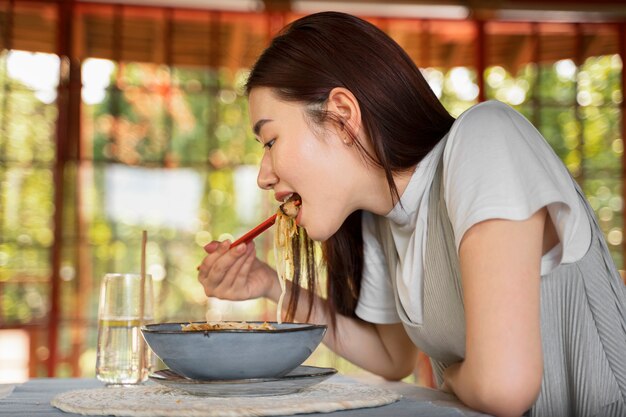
<point x="291" y="206"/>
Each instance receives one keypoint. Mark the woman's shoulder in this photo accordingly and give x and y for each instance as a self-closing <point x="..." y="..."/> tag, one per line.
<point x="493" y="125"/>
<point x="490" y="108"/>
<point x="485" y="115"/>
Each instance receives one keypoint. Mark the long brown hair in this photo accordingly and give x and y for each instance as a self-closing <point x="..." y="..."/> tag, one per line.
<point x="401" y="116"/>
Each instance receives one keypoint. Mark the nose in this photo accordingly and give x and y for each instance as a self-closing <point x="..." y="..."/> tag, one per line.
<point x="267" y="178"/>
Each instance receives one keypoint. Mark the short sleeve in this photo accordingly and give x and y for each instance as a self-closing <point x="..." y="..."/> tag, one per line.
<point x="376" y="302"/>
<point x="497" y="165"/>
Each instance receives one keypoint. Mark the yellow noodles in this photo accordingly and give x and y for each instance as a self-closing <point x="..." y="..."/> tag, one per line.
<point x="226" y="325"/>
<point x="286" y="229"/>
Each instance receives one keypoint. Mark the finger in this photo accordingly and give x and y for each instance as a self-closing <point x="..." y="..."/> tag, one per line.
<point x="240" y="287"/>
<point x="211" y="246"/>
<point x="217" y="249"/>
<point x="223" y="259"/>
<point x="233" y="274"/>
<point x="247" y="265"/>
<point x="249" y="256"/>
<point x="203" y="270"/>
<point x="223" y="246"/>
<point x="213" y="266"/>
<point x="221" y="262"/>
<point x="207" y="283"/>
<point x="226" y="291"/>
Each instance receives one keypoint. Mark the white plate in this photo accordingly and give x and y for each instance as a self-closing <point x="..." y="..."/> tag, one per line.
<point x="300" y="378"/>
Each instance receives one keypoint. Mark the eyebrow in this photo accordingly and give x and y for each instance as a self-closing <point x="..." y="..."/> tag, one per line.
<point x="258" y="125"/>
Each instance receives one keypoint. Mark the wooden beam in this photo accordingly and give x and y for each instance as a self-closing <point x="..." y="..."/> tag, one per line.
<point x="273" y="6"/>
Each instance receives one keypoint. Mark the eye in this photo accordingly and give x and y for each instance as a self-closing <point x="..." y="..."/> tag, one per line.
<point x="269" y="143"/>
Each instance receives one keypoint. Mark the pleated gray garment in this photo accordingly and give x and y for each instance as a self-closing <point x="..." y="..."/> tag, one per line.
<point x="583" y="318"/>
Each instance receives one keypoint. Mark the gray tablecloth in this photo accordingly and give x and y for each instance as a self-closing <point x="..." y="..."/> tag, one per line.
<point x="32" y="399"/>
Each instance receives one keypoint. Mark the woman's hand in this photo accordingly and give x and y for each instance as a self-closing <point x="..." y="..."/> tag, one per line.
<point x="235" y="273"/>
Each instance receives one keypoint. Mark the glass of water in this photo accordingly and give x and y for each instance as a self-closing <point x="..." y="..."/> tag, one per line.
<point x="123" y="357"/>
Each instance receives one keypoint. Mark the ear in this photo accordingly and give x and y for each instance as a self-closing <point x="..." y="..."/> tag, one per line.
<point x="344" y="104"/>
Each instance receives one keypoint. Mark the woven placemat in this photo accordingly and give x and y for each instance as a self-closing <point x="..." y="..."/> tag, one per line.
<point x="153" y="401"/>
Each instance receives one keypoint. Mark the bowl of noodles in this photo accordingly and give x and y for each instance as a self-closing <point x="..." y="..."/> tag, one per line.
<point x="233" y="350"/>
<point x="237" y="350"/>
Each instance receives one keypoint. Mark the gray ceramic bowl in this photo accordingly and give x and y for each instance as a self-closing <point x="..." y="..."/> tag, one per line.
<point x="233" y="354"/>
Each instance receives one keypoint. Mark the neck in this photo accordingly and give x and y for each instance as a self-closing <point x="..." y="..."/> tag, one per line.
<point x="381" y="201"/>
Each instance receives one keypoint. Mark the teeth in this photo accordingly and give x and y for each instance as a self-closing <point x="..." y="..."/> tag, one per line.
<point x="287" y="197"/>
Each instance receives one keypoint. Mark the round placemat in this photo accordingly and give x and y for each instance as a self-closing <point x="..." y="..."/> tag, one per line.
<point x="159" y="401"/>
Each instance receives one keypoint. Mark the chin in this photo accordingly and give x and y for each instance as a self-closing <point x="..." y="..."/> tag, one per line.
<point x="314" y="236"/>
<point x="319" y="234"/>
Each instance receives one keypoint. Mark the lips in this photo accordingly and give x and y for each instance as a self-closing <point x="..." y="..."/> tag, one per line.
<point x="284" y="197"/>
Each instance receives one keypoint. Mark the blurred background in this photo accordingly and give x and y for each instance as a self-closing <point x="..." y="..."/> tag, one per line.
<point x="118" y="117"/>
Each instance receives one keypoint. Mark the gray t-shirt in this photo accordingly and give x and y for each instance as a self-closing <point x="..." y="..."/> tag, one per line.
<point x="495" y="165"/>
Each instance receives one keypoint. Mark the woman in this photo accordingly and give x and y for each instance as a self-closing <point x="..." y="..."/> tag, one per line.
<point x="464" y="238"/>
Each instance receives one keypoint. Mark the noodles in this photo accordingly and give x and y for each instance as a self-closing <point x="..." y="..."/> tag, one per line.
<point x="226" y="325"/>
<point x="286" y="229"/>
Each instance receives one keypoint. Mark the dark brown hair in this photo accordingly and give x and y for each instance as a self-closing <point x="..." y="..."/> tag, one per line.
<point x="401" y="116"/>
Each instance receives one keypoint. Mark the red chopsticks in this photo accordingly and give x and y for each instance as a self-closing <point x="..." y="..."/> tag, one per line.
<point x="256" y="231"/>
<point x="260" y="228"/>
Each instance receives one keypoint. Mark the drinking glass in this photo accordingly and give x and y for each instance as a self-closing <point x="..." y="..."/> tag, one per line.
<point x="123" y="357"/>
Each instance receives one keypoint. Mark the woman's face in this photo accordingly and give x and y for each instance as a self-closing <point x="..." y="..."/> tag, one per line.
<point x="315" y="163"/>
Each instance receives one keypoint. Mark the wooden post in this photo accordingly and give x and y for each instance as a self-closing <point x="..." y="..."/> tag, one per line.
<point x="481" y="59"/>
<point x="64" y="22"/>
<point x="622" y="54"/>
<point x="67" y="147"/>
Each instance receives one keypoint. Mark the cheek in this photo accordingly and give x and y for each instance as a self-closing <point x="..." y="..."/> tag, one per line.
<point x="294" y="156"/>
<point x="322" y="217"/>
<point x="313" y="168"/>
<point x="323" y="182"/>
<point x="319" y="160"/>
<point x="304" y="165"/>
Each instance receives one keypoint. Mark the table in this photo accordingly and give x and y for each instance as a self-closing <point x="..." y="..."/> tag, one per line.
<point x="32" y="399"/>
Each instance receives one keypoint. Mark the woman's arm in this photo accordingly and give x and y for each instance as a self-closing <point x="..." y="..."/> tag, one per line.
<point x="237" y="274"/>
<point x="383" y="349"/>
<point x="500" y="269"/>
